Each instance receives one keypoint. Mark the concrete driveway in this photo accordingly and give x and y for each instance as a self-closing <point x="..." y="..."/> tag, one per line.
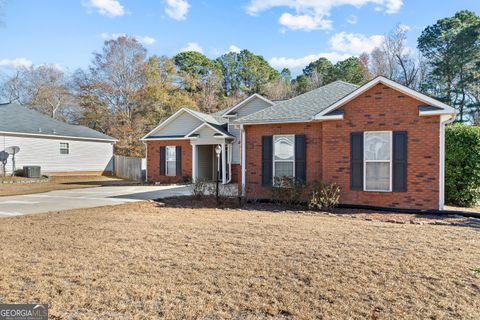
<point x="84" y="198"/>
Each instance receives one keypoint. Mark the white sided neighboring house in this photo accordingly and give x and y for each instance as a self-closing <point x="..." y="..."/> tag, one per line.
<point x="57" y="147"/>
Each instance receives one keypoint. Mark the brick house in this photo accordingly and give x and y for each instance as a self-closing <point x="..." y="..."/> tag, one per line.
<point x="382" y="143"/>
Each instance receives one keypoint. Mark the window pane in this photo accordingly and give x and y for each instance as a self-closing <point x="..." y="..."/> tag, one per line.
<point x="170" y="153"/>
<point x="377" y="146"/>
<point x="171" y="168"/>
<point x="283" y="169"/>
<point x="377" y="176"/>
<point x="63" y="148"/>
<point x="283" y="148"/>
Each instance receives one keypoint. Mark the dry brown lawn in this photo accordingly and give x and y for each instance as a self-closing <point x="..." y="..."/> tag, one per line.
<point x="59" y="183"/>
<point x="138" y="261"/>
<point x="472" y="209"/>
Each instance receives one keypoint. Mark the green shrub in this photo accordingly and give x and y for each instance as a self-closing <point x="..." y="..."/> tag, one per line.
<point x="462" y="165"/>
<point x="324" y="195"/>
<point x="287" y="190"/>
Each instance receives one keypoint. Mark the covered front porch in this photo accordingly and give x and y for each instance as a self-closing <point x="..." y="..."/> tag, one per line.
<point x="211" y="154"/>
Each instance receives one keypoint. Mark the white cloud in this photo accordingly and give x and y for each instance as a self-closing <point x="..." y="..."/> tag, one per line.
<point x="299" y="63"/>
<point x="177" y="9"/>
<point x="145" y="40"/>
<point x="342" y="46"/>
<point x="313" y="14"/>
<point x="192" y="46"/>
<point x="352" y="19"/>
<point x="393" y="6"/>
<point x="16" y="63"/>
<point x="304" y="22"/>
<point x="355" y="43"/>
<point x="110" y="8"/>
<point x="234" y="48"/>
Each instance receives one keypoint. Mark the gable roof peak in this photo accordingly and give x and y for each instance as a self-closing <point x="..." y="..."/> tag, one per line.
<point x="445" y="109"/>
<point x="244" y="101"/>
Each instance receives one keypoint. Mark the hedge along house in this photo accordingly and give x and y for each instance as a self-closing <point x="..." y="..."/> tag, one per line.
<point x="382" y="143"/>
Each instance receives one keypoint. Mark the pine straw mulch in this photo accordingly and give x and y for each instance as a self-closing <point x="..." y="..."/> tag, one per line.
<point x="365" y="214"/>
<point x="144" y="261"/>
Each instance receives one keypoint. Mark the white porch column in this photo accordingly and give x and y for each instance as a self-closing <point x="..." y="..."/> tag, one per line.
<point x="224" y="164"/>
<point x="194" y="162"/>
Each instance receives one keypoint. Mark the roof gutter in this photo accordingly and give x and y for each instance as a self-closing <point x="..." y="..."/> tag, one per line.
<point x="57" y="136"/>
<point x="273" y="122"/>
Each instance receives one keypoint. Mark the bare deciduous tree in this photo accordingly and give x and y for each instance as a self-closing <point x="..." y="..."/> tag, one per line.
<point x="13" y="89"/>
<point x="115" y="76"/>
<point x="394" y="60"/>
<point x="45" y="88"/>
<point x="49" y="92"/>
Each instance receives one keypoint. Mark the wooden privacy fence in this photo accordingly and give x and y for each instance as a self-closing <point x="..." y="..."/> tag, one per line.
<point x="128" y="168"/>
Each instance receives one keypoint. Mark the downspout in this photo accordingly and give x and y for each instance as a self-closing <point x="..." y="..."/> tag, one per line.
<point x="244" y="162"/>
<point x="442" y="160"/>
<point x="146" y="161"/>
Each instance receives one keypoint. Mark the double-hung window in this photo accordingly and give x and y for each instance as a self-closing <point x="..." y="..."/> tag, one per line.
<point x="171" y="161"/>
<point x="284" y="156"/>
<point x="377" y="159"/>
<point x="64" y="148"/>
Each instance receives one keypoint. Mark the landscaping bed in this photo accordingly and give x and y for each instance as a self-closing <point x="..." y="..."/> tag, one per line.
<point x="370" y="215"/>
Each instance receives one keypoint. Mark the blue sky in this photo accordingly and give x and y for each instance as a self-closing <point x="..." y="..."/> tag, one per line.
<point x="288" y="33"/>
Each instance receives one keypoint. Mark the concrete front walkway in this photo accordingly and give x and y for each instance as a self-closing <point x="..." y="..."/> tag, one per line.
<point x="84" y="198"/>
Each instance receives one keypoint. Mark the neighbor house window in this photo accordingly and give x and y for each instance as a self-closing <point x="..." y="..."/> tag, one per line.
<point x="171" y="159"/>
<point x="284" y="156"/>
<point x="64" y="148"/>
<point x="378" y="161"/>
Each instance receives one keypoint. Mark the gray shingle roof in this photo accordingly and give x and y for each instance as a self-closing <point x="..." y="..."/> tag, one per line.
<point x="222" y="129"/>
<point x="218" y="116"/>
<point x="18" y="119"/>
<point x="302" y="107"/>
<point x="210" y="118"/>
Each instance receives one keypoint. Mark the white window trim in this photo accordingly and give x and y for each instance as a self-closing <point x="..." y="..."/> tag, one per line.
<point x="365" y="161"/>
<point x="168" y="174"/>
<point x="273" y="155"/>
<point x="67" y="144"/>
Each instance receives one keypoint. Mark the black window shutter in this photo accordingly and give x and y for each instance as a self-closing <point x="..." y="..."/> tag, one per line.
<point x="178" y="164"/>
<point x="300" y="158"/>
<point x="356" y="160"/>
<point x="162" y="161"/>
<point x="400" y="161"/>
<point x="267" y="160"/>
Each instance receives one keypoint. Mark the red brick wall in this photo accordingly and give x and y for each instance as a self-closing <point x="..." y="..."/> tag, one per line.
<point x="383" y="108"/>
<point x="380" y="108"/>
<point x="153" y="160"/>
<point x="236" y="174"/>
<point x="313" y="135"/>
